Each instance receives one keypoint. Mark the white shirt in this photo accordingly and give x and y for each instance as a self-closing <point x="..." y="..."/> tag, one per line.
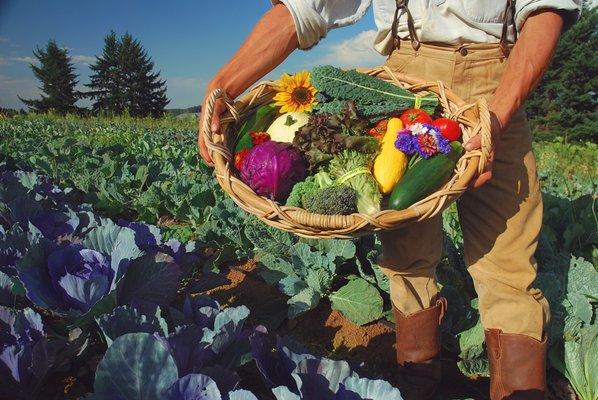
<point x="444" y="21"/>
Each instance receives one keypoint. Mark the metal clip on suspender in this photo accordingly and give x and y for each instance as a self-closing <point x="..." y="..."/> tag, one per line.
<point x="402" y="4"/>
<point x="504" y="42"/>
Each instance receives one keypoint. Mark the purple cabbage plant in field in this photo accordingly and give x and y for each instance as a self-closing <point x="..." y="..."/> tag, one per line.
<point x="104" y="270"/>
<point x="137" y="365"/>
<point x="54" y="224"/>
<point x="294" y="374"/>
<point x="205" y="347"/>
<point x="80" y="276"/>
<point x="149" y="238"/>
<point x="27" y="354"/>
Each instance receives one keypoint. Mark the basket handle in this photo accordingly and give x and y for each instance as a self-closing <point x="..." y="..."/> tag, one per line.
<point x="206" y="128"/>
<point x="485" y="132"/>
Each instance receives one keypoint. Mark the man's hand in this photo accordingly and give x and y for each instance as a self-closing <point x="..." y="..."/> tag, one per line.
<point x="528" y="60"/>
<point x="475" y="143"/>
<point x="219" y="108"/>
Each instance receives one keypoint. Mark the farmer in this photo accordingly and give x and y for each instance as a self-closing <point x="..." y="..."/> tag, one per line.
<point x="479" y="48"/>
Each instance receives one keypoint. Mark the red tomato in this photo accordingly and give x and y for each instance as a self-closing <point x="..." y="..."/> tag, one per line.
<point x="379" y="130"/>
<point x="414" y="115"/>
<point x="449" y="129"/>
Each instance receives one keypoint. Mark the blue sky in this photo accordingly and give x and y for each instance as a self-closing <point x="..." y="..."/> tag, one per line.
<point x="187" y="39"/>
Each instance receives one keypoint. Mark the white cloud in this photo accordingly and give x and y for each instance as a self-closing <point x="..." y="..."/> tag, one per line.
<point x="77" y="59"/>
<point x="26" y="59"/>
<point x="357" y="51"/>
<point x="4" y="39"/>
<point x="184" y="91"/>
<point x="83" y="59"/>
<point x="11" y="88"/>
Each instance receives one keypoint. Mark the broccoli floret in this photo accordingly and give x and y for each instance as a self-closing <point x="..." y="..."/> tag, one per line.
<point x="309" y="185"/>
<point x="338" y="199"/>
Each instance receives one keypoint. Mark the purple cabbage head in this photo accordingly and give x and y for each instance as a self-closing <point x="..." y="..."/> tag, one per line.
<point x="53" y="224"/>
<point x="147" y="237"/>
<point x="81" y="276"/>
<point x="272" y="168"/>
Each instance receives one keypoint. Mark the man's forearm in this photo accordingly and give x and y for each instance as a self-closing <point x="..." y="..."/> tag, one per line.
<point x="527" y="63"/>
<point x="271" y="41"/>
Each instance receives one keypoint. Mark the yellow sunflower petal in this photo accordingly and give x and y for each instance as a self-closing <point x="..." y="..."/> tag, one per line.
<point x="302" y="78"/>
<point x="282" y="96"/>
<point x="285" y="82"/>
<point x="285" y="109"/>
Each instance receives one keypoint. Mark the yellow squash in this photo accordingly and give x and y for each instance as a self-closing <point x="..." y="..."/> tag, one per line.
<point x="391" y="163"/>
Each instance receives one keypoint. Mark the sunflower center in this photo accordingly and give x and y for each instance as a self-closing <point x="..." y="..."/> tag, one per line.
<point x="301" y="95"/>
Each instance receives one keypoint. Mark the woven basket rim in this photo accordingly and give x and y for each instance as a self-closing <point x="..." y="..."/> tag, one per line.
<point x="473" y="118"/>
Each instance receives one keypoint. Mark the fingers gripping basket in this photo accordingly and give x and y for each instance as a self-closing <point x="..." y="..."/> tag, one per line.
<point x="473" y="118"/>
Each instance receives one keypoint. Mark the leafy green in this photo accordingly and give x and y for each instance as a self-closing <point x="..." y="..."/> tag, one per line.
<point x="373" y="97"/>
<point x="327" y="134"/>
<point x="577" y="360"/>
<point x="300" y="189"/>
<point x="473" y="361"/>
<point x="359" y="301"/>
<point x="136" y="365"/>
<point x="352" y="168"/>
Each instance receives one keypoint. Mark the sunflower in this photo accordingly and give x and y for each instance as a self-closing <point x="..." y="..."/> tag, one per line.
<point x="295" y="93"/>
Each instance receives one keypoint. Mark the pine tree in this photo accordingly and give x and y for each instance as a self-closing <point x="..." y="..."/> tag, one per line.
<point x="105" y="80"/>
<point x="123" y="79"/>
<point x="565" y="102"/>
<point x="57" y="76"/>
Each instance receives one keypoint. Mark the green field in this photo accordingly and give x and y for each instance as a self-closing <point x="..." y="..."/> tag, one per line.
<point x="148" y="170"/>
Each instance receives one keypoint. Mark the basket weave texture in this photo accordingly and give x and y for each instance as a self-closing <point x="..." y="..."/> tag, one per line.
<point x="473" y="118"/>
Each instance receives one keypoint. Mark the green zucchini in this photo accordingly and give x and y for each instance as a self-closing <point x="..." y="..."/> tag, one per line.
<point x="424" y="177"/>
<point x="259" y="121"/>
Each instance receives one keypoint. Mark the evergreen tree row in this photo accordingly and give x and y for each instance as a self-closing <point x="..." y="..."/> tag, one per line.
<point x="122" y="80"/>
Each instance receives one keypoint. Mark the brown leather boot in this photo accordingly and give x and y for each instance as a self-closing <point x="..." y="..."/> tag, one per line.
<point x="517" y="366"/>
<point x="418" y="348"/>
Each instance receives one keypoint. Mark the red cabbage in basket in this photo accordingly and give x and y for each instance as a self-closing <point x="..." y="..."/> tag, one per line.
<point x="272" y="168"/>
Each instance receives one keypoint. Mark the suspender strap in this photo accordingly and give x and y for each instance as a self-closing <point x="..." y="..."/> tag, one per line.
<point x="415" y="43"/>
<point x="402" y="5"/>
<point x="509" y="15"/>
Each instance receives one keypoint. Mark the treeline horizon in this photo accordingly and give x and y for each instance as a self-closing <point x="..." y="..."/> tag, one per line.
<point x="564" y="105"/>
<point x="122" y="81"/>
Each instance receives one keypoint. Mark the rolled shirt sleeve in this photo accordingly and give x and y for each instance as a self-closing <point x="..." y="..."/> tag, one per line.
<point x="314" y="18"/>
<point x="524" y="8"/>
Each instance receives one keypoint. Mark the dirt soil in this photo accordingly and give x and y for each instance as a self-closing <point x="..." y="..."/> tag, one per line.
<point x="324" y="331"/>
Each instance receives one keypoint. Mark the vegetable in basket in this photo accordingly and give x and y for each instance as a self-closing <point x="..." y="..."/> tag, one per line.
<point x="353" y="169"/>
<point x="328" y="134"/>
<point x="391" y="163"/>
<point x="283" y="128"/>
<point x="374" y="97"/>
<point x="379" y="129"/>
<point x="272" y="168"/>
<point x="255" y="138"/>
<point x="448" y="128"/>
<point x="257" y="122"/>
<point x="424" y="177"/>
<point x="414" y="116"/>
<point x="331" y="200"/>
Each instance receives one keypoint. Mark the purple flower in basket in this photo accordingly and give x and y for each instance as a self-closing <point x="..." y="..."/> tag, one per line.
<point x="405" y="142"/>
<point x="423" y="139"/>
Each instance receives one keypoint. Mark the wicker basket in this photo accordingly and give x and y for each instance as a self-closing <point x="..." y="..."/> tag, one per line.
<point x="473" y="118"/>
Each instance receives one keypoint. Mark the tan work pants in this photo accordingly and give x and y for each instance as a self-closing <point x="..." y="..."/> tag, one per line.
<point x="500" y="221"/>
